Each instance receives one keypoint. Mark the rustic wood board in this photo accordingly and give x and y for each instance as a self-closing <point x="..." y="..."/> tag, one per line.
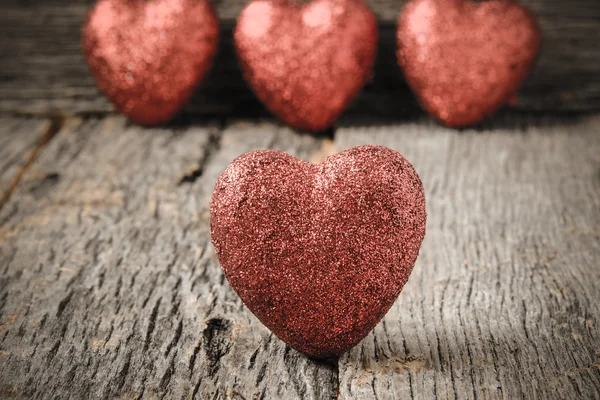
<point x="43" y="72"/>
<point x="19" y="139"/>
<point x="504" y="300"/>
<point x="109" y="286"/>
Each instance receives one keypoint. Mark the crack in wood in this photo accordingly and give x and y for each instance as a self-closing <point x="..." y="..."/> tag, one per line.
<point x="166" y="378"/>
<point x="152" y="323"/>
<point x="176" y="337"/>
<point x="196" y="388"/>
<point x="195" y="352"/>
<point x="122" y="375"/>
<point x="217" y="342"/>
<point x="49" y="181"/>
<point x="252" y="359"/>
<point x="63" y="304"/>
<point x="212" y="146"/>
<point x="55" y="126"/>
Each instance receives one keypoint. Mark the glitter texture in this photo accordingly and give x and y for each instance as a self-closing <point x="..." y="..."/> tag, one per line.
<point x="306" y="62"/>
<point x="465" y="60"/>
<point x="147" y="56"/>
<point x="319" y="252"/>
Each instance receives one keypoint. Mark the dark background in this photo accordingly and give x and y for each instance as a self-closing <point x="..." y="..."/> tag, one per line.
<point x="43" y="72"/>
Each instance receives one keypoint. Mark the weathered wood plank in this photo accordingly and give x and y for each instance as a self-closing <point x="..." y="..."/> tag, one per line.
<point x="503" y="302"/>
<point x="43" y="72"/>
<point x="19" y="140"/>
<point x="109" y="286"/>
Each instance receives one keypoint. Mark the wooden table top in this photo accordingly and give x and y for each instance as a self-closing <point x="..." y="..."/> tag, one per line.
<point x="110" y="288"/>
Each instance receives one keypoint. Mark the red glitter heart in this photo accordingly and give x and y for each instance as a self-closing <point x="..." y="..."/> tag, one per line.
<point x="147" y="56"/>
<point x="465" y="60"/>
<point x="306" y="62"/>
<point x="319" y="252"/>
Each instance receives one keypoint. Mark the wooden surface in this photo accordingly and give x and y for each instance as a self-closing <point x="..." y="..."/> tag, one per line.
<point x="19" y="139"/>
<point x="43" y="72"/>
<point x="109" y="286"/>
<point x="504" y="301"/>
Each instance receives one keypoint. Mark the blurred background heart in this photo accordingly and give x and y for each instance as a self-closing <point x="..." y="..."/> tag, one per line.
<point x="147" y="57"/>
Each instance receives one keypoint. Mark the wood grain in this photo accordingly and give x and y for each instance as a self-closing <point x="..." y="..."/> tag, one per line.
<point x="19" y="139"/>
<point x="43" y="72"/>
<point x="503" y="302"/>
<point x="109" y="286"/>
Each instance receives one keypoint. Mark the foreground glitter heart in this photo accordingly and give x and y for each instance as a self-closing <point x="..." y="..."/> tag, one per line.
<point x="465" y="60"/>
<point x="319" y="252"/>
<point x="306" y="62"/>
<point x="147" y="56"/>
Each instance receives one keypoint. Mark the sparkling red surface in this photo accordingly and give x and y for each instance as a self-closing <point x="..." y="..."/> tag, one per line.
<point x="464" y="60"/>
<point x="319" y="252"/>
<point x="306" y="62"/>
<point x="147" y="56"/>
